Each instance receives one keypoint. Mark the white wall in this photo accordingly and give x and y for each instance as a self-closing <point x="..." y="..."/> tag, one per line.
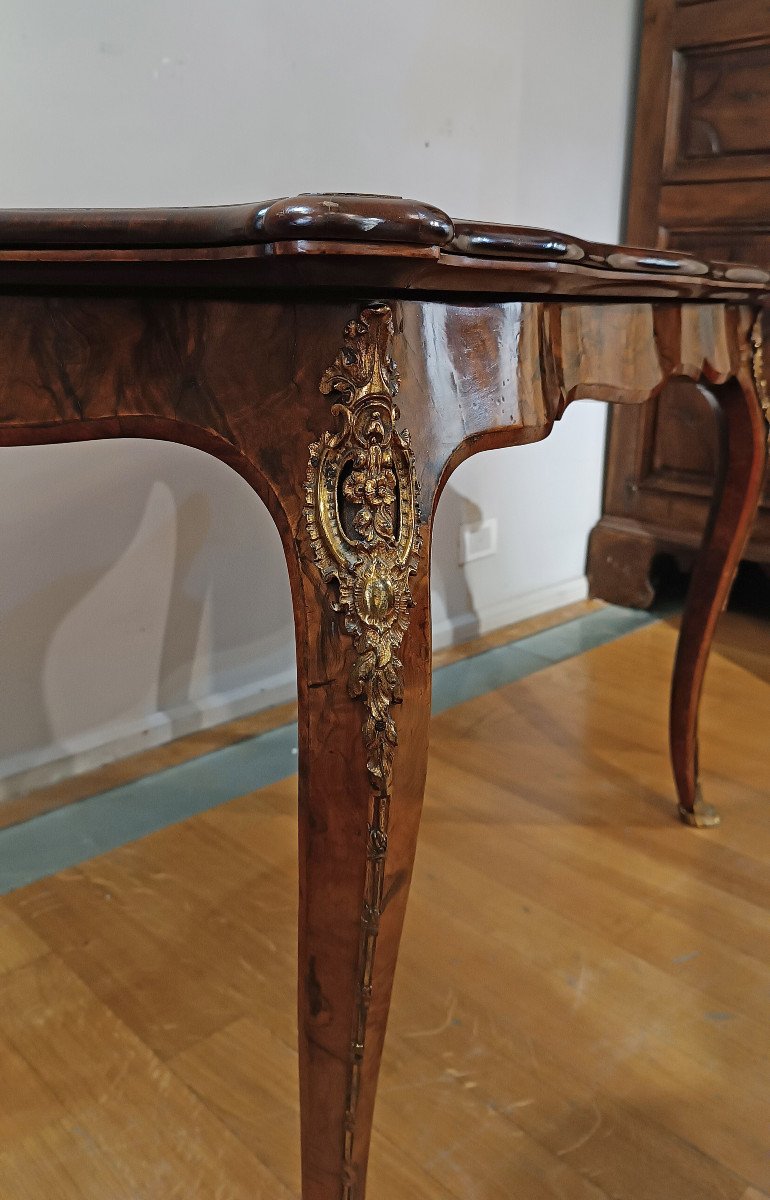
<point x="142" y="588"/>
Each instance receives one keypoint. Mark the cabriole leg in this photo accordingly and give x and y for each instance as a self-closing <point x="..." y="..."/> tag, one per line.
<point x="743" y="441"/>
<point x="363" y="644"/>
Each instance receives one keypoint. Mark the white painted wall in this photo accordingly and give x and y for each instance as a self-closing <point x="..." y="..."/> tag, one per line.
<point x="143" y="591"/>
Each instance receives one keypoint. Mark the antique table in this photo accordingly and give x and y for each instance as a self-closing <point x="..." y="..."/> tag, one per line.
<point x="276" y="337"/>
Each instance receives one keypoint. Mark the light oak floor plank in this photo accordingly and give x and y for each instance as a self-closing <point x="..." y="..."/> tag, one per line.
<point x="116" y="1121"/>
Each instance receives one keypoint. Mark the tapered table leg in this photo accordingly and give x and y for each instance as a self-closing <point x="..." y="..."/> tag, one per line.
<point x="362" y="609"/>
<point x="743" y="452"/>
<point x="357" y="839"/>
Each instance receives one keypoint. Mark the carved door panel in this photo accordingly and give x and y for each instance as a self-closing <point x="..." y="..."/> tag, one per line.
<point x="700" y="182"/>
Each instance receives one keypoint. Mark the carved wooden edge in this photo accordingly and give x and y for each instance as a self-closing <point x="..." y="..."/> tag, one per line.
<point x="513" y="242"/>
<point x="356" y="218"/>
<point x="363" y="519"/>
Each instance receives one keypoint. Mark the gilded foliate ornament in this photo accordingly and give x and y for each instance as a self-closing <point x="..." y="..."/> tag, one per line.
<point x="362" y="517"/>
<point x="761" y="382"/>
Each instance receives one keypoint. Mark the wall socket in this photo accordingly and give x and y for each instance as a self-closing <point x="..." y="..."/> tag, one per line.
<point x="478" y="541"/>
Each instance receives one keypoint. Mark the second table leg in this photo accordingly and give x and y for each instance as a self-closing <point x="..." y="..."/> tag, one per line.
<point x="743" y="453"/>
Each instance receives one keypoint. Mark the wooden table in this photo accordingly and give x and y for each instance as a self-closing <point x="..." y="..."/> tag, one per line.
<point x="298" y="341"/>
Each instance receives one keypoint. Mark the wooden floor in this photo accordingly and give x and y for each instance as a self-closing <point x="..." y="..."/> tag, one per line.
<point x="582" y="1009"/>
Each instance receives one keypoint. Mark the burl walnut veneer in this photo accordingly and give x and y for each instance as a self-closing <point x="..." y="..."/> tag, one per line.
<point x="299" y="341"/>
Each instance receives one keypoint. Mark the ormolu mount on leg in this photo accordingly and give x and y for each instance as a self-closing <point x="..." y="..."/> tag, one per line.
<point x="363" y="520"/>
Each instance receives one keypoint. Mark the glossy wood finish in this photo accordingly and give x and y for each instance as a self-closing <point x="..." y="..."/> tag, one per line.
<point x="700" y="182"/>
<point x="291" y="376"/>
<point x="346" y="240"/>
<point x="350" y="218"/>
<point x="580" y="1008"/>
<point x="744" y="433"/>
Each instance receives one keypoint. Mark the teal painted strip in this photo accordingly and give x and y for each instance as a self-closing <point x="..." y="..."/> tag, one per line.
<point x="71" y="835"/>
<point x="492" y="669"/>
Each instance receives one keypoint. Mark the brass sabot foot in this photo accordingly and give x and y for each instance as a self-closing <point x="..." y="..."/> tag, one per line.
<point x="703" y="815"/>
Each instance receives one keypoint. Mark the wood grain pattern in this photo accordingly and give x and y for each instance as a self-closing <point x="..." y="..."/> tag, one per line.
<point x="591" y="1021"/>
<point x="744" y="20"/>
<point x="59" y="1032"/>
<point x="727" y="103"/>
<point x="655" y="68"/>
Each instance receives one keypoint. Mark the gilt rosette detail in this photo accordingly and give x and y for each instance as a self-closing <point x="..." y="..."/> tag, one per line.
<point x="362" y="516"/>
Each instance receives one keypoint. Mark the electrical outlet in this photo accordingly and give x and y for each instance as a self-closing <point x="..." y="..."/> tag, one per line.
<point x="478" y="541"/>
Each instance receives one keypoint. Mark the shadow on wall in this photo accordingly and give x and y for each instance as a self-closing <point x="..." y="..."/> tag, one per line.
<point x="150" y="601"/>
<point x="145" y="596"/>
<point x="455" y="618"/>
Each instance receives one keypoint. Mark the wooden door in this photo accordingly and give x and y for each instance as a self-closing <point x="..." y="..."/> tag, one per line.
<point x="700" y="182"/>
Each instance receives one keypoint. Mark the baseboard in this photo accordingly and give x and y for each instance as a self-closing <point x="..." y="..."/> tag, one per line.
<point x="48" y="765"/>
<point x="456" y="630"/>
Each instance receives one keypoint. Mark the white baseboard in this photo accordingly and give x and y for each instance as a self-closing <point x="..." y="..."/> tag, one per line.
<point x="455" y="630"/>
<point x="47" y="765"/>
